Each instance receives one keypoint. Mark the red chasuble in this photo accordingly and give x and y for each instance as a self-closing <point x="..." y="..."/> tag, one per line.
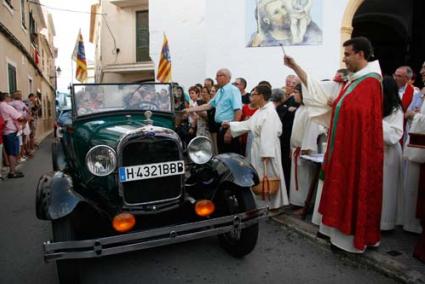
<point x="352" y="192"/>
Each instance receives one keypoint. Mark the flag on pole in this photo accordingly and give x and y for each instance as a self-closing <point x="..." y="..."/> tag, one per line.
<point x="164" y="66"/>
<point x="79" y="56"/>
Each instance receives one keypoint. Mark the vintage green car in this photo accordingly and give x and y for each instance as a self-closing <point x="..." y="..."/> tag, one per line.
<point x="122" y="180"/>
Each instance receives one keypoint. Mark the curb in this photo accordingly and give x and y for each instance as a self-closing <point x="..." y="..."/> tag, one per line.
<point x="371" y="258"/>
<point x="40" y="139"/>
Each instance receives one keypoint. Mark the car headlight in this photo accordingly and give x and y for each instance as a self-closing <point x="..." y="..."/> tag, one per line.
<point x="101" y="160"/>
<point x="200" y="150"/>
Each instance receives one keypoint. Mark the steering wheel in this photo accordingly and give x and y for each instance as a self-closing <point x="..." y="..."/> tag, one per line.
<point x="146" y="105"/>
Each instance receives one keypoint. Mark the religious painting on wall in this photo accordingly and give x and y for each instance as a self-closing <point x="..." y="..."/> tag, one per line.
<point x="286" y="22"/>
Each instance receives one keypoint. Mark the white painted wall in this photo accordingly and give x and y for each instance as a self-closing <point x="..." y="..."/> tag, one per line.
<point x="122" y="25"/>
<point x="183" y="22"/>
<point x="207" y="35"/>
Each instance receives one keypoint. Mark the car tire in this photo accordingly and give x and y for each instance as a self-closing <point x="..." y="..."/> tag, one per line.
<point x="248" y="236"/>
<point x="67" y="270"/>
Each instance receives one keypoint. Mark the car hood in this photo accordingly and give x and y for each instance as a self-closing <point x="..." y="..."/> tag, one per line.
<point x="110" y="131"/>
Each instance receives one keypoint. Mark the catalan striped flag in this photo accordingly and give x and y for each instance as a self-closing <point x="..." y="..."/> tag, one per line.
<point x="79" y="56"/>
<point x="164" y="66"/>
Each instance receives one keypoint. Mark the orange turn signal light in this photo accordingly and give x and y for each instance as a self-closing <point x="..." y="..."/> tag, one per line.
<point x="204" y="208"/>
<point x="123" y="222"/>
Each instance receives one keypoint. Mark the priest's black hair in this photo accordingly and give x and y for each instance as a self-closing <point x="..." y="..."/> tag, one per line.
<point x="361" y="43"/>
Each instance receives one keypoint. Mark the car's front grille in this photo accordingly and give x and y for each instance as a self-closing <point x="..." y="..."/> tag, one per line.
<point x="149" y="151"/>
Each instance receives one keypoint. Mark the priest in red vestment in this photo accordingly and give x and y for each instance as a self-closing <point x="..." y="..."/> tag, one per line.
<point x="351" y="200"/>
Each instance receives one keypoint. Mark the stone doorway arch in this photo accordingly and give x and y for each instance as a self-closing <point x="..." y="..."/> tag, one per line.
<point x="395" y="29"/>
<point x="346" y="26"/>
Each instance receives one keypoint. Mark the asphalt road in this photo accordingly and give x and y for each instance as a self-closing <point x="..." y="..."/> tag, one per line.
<point x="281" y="256"/>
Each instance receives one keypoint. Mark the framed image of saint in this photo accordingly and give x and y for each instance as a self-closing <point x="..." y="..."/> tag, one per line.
<point x="286" y="22"/>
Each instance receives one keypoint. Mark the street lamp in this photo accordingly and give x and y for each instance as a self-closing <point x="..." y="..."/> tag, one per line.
<point x="57" y="73"/>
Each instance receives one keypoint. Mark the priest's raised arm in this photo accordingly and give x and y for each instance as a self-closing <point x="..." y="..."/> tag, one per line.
<point x="317" y="95"/>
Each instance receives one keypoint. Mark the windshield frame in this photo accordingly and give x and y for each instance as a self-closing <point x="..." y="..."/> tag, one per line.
<point x="123" y="110"/>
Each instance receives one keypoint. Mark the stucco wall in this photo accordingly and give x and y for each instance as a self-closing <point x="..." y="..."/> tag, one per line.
<point x="206" y="35"/>
<point x="122" y="23"/>
<point x="183" y="22"/>
<point x="24" y="70"/>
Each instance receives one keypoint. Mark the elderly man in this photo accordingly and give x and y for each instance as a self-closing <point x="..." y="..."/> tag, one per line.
<point x="351" y="200"/>
<point x="240" y="83"/>
<point x="403" y="75"/>
<point x="228" y="107"/>
<point x="290" y="82"/>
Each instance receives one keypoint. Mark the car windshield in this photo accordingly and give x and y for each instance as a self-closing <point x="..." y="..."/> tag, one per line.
<point x="104" y="98"/>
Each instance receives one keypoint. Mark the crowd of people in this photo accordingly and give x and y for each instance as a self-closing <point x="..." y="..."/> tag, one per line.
<point x="18" y="124"/>
<point x="371" y="178"/>
<point x="358" y="122"/>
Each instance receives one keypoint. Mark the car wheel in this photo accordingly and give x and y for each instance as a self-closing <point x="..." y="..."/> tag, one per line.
<point x="68" y="270"/>
<point x="237" y="201"/>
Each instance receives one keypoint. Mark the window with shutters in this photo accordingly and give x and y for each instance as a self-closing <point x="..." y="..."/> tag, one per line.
<point x="32" y="29"/>
<point x="11" y="72"/>
<point x="142" y="36"/>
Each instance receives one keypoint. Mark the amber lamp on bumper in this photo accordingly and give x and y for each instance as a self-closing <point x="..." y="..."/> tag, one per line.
<point x="123" y="222"/>
<point x="204" y="208"/>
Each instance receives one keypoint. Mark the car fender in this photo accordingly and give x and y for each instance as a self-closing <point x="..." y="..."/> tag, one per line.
<point x="55" y="197"/>
<point x="235" y="169"/>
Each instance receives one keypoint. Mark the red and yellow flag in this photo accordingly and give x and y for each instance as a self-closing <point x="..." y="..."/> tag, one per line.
<point x="164" y="66"/>
<point x="79" y="56"/>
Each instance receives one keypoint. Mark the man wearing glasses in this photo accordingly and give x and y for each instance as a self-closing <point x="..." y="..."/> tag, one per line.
<point x="228" y="105"/>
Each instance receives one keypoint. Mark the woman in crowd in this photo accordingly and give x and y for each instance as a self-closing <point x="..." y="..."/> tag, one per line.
<point x="267" y="128"/>
<point x="24" y="129"/>
<point x="393" y="132"/>
<point x="179" y="102"/>
<point x="202" y="121"/>
<point x="213" y="91"/>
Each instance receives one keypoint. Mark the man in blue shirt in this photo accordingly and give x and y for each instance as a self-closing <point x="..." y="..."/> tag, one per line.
<point x="228" y="107"/>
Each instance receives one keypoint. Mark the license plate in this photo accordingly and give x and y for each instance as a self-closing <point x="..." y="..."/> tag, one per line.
<point x="151" y="171"/>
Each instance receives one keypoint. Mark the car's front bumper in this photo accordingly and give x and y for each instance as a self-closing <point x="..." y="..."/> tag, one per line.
<point x="151" y="238"/>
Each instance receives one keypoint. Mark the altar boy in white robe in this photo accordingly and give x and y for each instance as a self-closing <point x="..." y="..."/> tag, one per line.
<point x="303" y="141"/>
<point x="266" y="128"/>
<point x="392" y="126"/>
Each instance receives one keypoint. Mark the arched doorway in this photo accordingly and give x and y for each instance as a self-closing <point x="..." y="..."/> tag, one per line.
<point x="395" y="29"/>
